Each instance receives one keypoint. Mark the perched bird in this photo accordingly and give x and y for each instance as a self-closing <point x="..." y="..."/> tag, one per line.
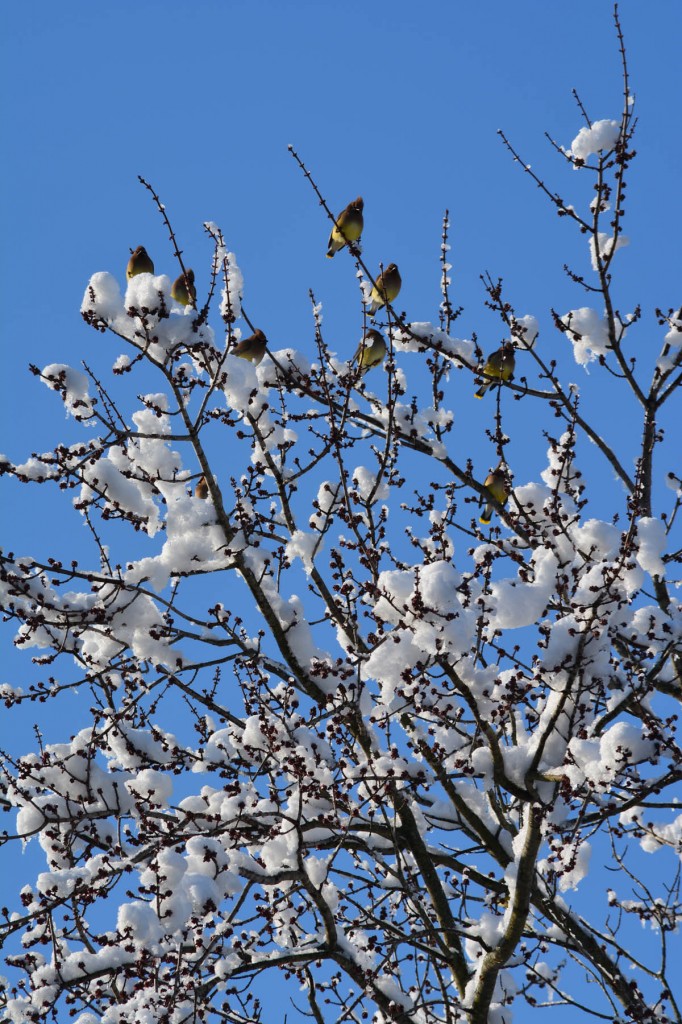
<point x="252" y="348"/>
<point x="348" y="227"/>
<point x="386" y="288"/>
<point x="139" y="263"/>
<point x="500" y="364"/>
<point x="497" y="486"/>
<point x="370" y="351"/>
<point x="201" y="489"/>
<point x="183" y="290"/>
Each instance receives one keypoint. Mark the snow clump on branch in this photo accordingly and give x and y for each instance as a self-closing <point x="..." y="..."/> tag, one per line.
<point x="599" y="138"/>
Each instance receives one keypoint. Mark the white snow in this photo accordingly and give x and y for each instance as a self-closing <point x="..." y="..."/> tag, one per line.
<point x="588" y="332"/>
<point x="527" y="330"/>
<point x="302" y="545"/>
<point x="74" y="388"/>
<point x="434" y="338"/>
<point x="366" y="484"/>
<point x="103" y="297"/>
<point x="651" y="537"/>
<point x="139" y="920"/>
<point x="674" y="336"/>
<point x="148" y="292"/>
<point x="151" y="785"/>
<point x="601" y="137"/>
<point x="605" y="246"/>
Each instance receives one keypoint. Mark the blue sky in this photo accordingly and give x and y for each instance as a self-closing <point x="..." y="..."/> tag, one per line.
<point x="398" y="102"/>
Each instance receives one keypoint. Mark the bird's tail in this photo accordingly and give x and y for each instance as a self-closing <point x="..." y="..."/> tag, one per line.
<point x="486" y="515"/>
<point x="481" y="391"/>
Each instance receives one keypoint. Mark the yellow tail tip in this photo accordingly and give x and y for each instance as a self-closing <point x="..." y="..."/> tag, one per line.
<point x="484" y="520"/>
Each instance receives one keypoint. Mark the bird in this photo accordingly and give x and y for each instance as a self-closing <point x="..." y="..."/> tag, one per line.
<point x="183" y="290"/>
<point x="252" y="348"/>
<point x="497" y="485"/>
<point x="139" y="263"/>
<point x="347" y="227"/>
<point x="201" y="489"/>
<point x="500" y="365"/>
<point x="385" y="289"/>
<point x="371" y="351"/>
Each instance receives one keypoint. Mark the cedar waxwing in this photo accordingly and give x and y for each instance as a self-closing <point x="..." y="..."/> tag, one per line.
<point x="201" y="489"/>
<point x="139" y="263"/>
<point x="386" y="288"/>
<point x="497" y="485"/>
<point x="183" y="290"/>
<point x="370" y="351"/>
<point x="348" y="227"/>
<point x="252" y="348"/>
<point x="500" y="365"/>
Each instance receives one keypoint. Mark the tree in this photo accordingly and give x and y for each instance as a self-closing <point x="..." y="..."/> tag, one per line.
<point x="337" y="727"/>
